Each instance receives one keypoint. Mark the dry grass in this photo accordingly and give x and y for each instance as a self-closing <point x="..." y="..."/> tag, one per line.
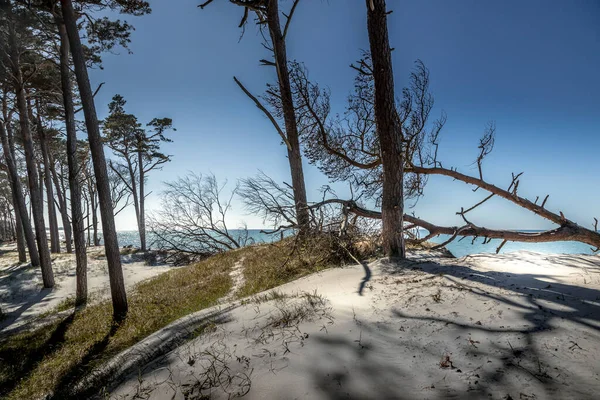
<point x="274" y="264"/>
<point x="52" y="358"/>
<point x="49" y="359"/>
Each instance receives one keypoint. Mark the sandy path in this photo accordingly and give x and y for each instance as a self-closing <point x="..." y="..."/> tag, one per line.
<point x="23" y="298"/>
<point x="516" y="326"/>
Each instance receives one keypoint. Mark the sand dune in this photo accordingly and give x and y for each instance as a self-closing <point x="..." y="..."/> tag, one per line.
<point x="516" y="326"/>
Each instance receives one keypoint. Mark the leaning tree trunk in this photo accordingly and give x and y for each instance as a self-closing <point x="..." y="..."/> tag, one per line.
<point x="111" y="245"/>
<point x="37" y="206"/>
<point x="20" y="206"/>
<point x="36" y="196"/>
<point x="289" y="116"/>
<point x="388" y="129"/>
<point x="74" y="172"/>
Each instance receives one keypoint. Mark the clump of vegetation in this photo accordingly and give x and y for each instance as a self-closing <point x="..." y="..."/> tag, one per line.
<point x="66" y="304"/>
<point x="53" y="357"/>
<point x="274" y="264"/>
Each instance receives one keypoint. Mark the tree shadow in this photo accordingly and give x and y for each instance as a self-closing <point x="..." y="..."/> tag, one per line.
<point x="549" y="309"/>
<point x="19" y="364"/>
<point x="65" y="389"/>
<point x="366" y="278"/>
<point x="32" y="299"/>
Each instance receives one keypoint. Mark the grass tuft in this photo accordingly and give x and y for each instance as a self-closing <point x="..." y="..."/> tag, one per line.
<point x="274" y="264"/>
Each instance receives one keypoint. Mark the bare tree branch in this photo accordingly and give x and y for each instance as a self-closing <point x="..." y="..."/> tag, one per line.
<point x="266" y="112"/>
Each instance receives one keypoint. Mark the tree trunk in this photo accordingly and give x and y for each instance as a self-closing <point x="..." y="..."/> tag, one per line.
<point x="18" y="215"/>
<point x="87" y="223"/>
<point x="142" y="217"/>
<point x="94" y="204"/>
<point x="388" y="129"/>
<point x="61" y="197"/>
<point x="113" y="257"/>
<point x="134" y="190"/>
<point x="36" y="196"/>
<point x="74" y="172"/>
<point x="20" y="206"/>
<point x="289" y="116"/>
<point x="52" y="219"/>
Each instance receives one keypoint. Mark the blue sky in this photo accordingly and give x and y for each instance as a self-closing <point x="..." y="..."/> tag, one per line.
<point x="532" y="67"/>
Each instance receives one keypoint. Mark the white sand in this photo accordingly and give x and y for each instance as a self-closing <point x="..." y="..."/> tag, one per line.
<point x="23" y="298"/>
<point x="515" y="326"/>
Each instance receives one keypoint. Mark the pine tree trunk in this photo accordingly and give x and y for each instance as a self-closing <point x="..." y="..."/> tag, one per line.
<point x="74" y="172"/>
<point x="61" y="196"/>
<point x="18" y="224"/>
<point x="136" y="198"/>
<point x="388" y="129"/>
<point x="94" y="204"/>
<point x="289" y="116"/>
<point x="52" y="219"/>
<point x="20" y="206"/>
<point x="142" y="217"/>
<point x="36" y="196"/>
<point x="111" y="245"/>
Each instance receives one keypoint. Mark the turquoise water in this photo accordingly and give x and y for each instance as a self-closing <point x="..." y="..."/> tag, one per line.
<point x="458" y="248"/>
<point x="464" y="247"/>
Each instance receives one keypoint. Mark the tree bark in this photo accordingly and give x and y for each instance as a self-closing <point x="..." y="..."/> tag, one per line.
<point x="111" y="245"/>
<point x="36" y="195"/>
<point x="61" y="196"/>
<point x="19" y="232"/>
<point x="52" y="219"/>
<point x="74" y="171"/>
<point x="20" y="206"/>
<point x="94" y="205"/>
<point x="388" y="130"/>
<point x="289" y="116"/>
<point x="134" y="192"/>
<point x="142" y="216"/>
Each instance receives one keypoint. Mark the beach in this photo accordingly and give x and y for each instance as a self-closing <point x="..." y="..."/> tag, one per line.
<point x="522" y="325"/>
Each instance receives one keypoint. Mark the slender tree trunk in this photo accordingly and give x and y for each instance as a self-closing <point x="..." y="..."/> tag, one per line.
<point x="113" y="257"/>
<point x="74" y="171"/>
<point x="4" y="223"/>
<point x="61" y="196"/>
<point x="142" y="217"/>
<point x="20" y="205"/>
<point x="388" y="129"/>
<point x="36" y="196"/>
<point x="94" y="204"/>
<point x="87" y="222"/>
<point x="37" y="206"/>
<point x="18" y="215"/>
<point x="13" y="228"/>
<point x="136" y="198"/>
<point x="52" y="219"/>
<point x="289" y="116"/>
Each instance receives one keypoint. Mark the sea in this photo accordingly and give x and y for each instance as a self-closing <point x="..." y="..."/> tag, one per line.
<point x="459" y="248"/>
